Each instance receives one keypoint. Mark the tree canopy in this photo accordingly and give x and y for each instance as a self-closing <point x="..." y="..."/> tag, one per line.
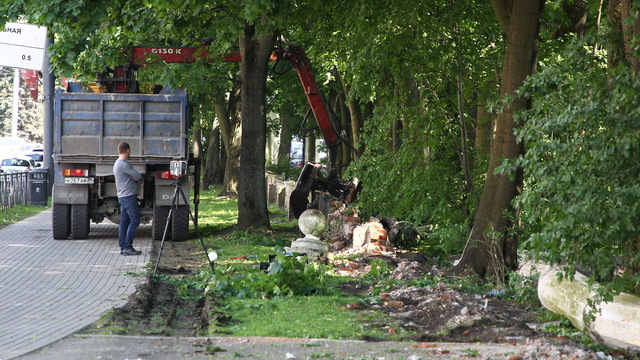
<point x="442" y="134"/>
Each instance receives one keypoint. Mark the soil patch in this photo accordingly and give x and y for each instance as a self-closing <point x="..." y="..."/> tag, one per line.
<point x="441" y="313"/>
<point x="159" y="307"/>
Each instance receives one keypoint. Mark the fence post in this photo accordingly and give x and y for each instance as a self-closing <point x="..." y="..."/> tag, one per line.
<point x="14" y="189"/>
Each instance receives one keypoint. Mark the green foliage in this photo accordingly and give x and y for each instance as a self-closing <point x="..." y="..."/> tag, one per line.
<point x="562" y="327"/>
<point x="471" y="352"/>
<point x="286" y="276"/>
<point x="287" y="171"/>
<point x="523" y="289"/>
<point x="422" y="183"/>
<point x="393" y="58"/>
<point x="470" y="284"/>
<point x="581" y="201"/>
<point x="379" y="269"/>
<point x="187" y="287"/>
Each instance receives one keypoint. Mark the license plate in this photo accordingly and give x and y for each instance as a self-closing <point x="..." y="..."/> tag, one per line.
<point x="78" y="180"/>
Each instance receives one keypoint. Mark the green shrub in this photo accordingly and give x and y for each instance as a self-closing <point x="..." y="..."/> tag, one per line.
<point x="523" y="289"/>
<point x="286" y="276"/>
<point x="581" y="201"/>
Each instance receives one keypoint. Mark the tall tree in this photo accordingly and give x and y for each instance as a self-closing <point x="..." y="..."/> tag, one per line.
<point x="256" y="50"/>
<point x="489" y="246"/>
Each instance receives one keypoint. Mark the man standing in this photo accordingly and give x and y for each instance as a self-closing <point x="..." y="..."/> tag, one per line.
<point x="127" y="185"/>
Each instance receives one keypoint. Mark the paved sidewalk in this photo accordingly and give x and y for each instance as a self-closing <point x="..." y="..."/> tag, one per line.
<point x="50" y="289"/>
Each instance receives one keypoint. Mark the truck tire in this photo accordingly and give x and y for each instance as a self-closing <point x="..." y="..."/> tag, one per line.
<point x="159" y="221"/>
<point x="180" y="223"/>
<point x="61" y="220"/>
<point x="79" y="221"/>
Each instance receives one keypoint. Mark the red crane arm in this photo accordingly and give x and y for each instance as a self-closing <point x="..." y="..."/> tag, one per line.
<point x="299" y="60"/>
<point x="295" y="55"/>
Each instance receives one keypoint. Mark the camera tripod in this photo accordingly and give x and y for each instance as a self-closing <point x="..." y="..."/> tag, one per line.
<point x="174" y="206"/>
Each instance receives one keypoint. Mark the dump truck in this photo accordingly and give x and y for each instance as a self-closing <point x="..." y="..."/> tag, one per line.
<point x="87" y="130"/>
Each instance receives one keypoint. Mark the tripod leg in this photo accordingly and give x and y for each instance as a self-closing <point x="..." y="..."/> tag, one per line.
<point x="166" y="230"/>
<point x="195" y="225"/>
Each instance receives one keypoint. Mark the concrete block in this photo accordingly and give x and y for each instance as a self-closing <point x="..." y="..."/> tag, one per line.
<point x="617" y="323"/>
<point x="361" y="236"/>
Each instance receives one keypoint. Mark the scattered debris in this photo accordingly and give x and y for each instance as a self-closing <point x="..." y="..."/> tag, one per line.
<point x="436" y="313"/>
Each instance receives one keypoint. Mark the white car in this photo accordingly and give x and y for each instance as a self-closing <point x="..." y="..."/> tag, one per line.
<point x="17" y="164"/>
<point x="37" y="155"/>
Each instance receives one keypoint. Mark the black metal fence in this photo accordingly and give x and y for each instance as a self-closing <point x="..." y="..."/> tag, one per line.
<point x="14" y="189"/>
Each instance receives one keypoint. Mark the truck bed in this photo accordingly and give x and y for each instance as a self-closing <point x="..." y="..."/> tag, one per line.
<point x="89" y="127"/>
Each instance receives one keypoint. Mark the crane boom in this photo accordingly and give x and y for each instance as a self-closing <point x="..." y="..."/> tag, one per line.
<point x="294" y="54"/>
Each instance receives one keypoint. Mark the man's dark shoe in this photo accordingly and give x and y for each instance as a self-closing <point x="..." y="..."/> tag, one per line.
<point x="130" y="252"/>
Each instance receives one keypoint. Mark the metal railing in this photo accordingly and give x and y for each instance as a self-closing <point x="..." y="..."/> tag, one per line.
<point x="14" y="189"/>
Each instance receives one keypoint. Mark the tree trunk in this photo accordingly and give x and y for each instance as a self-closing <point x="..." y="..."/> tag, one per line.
<point x="213" y="160"/>
<point x="197" y="142"/>
<point x="577" y="12"/>
<point x="615" y="52"/>
<point x="464" y="154"/>
<point x="482" y="140"/>
<point x="356" y="125"/>
<point x="228" y="114"/>
<point x="630" y="33"/>
<point x="284" y="148"/>
<point x="489" y="248"/>
<point x="355" y="115"/>
<point x="252" y="193"/>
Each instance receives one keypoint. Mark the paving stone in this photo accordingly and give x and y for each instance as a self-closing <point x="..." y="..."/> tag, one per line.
<point x="50" y="289"/>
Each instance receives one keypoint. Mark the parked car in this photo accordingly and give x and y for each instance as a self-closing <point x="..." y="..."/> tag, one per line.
<point x="37" y="155"/>
<point x="17" y="164"/>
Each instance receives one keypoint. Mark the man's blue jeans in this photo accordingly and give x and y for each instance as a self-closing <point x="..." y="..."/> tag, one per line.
<point x="129" y="220"/>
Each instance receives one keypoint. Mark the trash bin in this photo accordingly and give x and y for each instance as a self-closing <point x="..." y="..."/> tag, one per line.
<point x="38" y="185"/>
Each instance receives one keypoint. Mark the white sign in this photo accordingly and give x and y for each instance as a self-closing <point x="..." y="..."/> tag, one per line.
<point x="23" y="46"/>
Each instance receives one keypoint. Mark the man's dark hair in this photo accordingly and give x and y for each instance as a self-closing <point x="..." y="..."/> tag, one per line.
<point x="123" y="147"/>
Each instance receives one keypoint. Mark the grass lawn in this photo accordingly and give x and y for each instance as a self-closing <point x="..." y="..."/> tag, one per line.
<point x="272" y="304"/>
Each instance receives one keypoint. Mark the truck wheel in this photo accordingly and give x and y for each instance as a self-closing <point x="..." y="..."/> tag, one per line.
<point x="60" y="221"/>
<point x="159" y="221"/>
<point x="79" y="221"/>
<point x="180" y="223"/>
